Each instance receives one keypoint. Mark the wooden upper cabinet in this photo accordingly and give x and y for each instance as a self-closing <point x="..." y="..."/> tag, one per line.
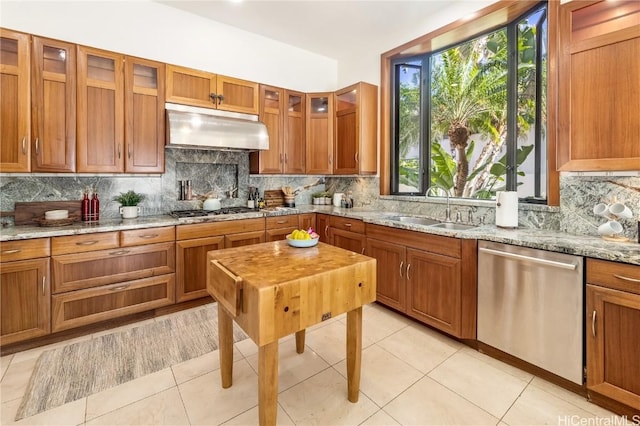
<point x="144" y="116"/>
<point x="199" y="88"/>
<point x="319" y="133"/>
<point x="14" y="102"/>
<point x="355" y="132"/>
<point x="294" y="132"/>
<point x="53" y="110"/>
<point x="100" y="111"/>
<point x="599" y="86"/>
<point x="271" y="107"/>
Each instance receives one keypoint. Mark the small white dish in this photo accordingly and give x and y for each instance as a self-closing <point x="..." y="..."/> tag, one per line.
<point x="610" y="228"/>
<point x="56" y="214"/>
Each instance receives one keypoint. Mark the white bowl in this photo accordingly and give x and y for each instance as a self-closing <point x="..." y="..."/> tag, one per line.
<point x="56" y="214"/>
<point x="302" y="243"/>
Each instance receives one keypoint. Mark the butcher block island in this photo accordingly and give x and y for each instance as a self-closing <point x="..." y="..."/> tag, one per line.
<point x="273" y="290"/>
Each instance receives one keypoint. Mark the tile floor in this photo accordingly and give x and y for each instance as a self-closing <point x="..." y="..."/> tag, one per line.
<point x="411" y="375"/>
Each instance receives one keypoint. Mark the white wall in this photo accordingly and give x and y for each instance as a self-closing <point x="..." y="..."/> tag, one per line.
<point x="155" y="31"/>
<point x="364" y="63"/>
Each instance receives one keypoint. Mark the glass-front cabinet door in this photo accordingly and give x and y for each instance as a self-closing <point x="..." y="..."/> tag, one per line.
<point x="346" y="132"/>
<point x="271" y="107"/>
<point x="319" y="131"/>
<point x="53" y="111"/>
<point x="294" y="137"/>
<point x="14" y="102"/>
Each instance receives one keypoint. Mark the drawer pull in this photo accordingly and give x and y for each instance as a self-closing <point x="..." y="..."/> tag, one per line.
<point x="119" y="252"/>
<point x="122" y="287"/>
<point x="24" y="145"/>
<point x="44" y="280"/>
<point x="13" y="251"/>
<point x="362" y="252"/>
<point x="622" y="277"/>
<point x="348" y="225"/>
<point x="280" y="222"/>
<point x="326" y="231"/>
<point x="408" y="269"/>
<point x="87" y="243"/>
<point x="593" y="323"/>
<point x="147" y="236"/>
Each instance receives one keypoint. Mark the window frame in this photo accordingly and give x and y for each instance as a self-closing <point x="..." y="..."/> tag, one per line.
<point x="490" y="18"/>
<point x="424" y="62"/>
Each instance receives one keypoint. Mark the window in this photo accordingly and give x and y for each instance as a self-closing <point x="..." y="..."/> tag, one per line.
<point x="470" y="119"/>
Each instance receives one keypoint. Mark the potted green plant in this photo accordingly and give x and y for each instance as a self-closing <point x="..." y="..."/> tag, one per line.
<point x="327" y="198"/>
<point x="318" y="197"/>
<point x="129" y="203"/>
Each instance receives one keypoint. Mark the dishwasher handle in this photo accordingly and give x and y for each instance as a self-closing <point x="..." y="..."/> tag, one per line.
<point x="553" y="263"/>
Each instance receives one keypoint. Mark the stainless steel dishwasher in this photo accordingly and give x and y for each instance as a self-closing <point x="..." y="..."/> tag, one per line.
<point x="530" y="305"/>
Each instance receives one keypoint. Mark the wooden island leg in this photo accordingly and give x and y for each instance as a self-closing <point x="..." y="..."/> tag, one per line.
<point x="300" y="341"/>
<point x="268" y="384"/>
<point x="225" y="340"/>
<point x="354" y="352"/>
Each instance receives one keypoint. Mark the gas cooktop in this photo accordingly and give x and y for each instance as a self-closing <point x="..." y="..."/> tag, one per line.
<point x="200" y="213"/>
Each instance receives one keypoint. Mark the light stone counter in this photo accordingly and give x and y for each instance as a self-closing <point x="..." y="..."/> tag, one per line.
<point x="535" y="238"/>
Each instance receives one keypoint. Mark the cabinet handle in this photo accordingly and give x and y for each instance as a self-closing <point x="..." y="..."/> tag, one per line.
<point x="356" y="157"/>
<point x="348" y="225"/>
<point x="220" y="98"/>
<point x="37" y="146"/>
<point x="24" y="145"/>
<point x="44" y="280"/>
<point x="330" y="159"/>
<point x="286" y="159"/>
<point x="326" y="231"/>
<point x="362" y="252"/>
<point x="129" y="152"/>
<point x="119" y="150"/>
<point x="593" y="323"/>
<point x="87" y="243"/>
<point x="213" y="97"/>
<point x="280" y="222"/>
<point x="11" y="251"/>
<point x="149" y="236"/>
<point x="122" y="287"/>
<point x="622" y="277"/>
<point x="280" y="158"/>
<point x="119" y="252"/>
<point x="401" y="265"/>
<point x="408" y="269"/>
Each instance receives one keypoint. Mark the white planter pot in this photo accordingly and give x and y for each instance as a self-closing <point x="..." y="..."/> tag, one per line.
<point x="129" y="212"/>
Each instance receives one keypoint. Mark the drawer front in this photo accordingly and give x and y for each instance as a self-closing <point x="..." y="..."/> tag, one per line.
<point x="212" y="229"/>
<point x="138" y="237"/>
<point x="619" y="276"/>
<point x="85" y="270"/>
<point x="288" y="221"/>
<point x="83" y="307"/>
<point x="278" y="234"/>
<point x="24" y="249"/>
<point x="84" y="243"/>
<point x="347" y="224"/>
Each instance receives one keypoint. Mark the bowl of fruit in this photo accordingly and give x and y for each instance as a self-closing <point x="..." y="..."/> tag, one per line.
<point x="303" y="238"/>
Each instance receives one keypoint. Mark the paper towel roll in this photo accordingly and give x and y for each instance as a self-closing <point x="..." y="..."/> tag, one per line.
<point x="507" y="209"/>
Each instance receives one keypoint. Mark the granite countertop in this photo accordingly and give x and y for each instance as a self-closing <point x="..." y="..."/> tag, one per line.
<point x="580" y="245"/>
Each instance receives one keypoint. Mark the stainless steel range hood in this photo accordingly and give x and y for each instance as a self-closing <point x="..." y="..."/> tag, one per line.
<point x="203" y="128"/>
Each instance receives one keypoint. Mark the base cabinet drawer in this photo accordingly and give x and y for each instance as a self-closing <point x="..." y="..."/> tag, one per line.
<point x="82" y="307"/>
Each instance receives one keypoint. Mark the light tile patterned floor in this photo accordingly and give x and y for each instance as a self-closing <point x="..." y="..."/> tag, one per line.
<point x="411" y="375"/>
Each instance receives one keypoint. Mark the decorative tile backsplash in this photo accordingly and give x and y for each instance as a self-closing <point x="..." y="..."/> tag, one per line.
<point x="222" y="171"/>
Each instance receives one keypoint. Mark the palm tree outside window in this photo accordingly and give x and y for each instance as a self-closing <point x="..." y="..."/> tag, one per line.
<point x="471" y="119"/>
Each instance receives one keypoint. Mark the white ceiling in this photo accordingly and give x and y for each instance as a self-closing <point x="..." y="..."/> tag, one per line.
<point x="334" y="28"/>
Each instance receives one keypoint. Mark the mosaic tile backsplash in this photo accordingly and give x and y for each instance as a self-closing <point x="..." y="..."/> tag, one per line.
<point x="227" y="173"/>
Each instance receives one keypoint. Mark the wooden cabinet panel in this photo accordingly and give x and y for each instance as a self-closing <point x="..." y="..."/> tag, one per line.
<point x="244" y="239"/>
<point x="100" y="111"/>
<point x="347" y="224"/>
<point x="24" y="300"/>
<point x="53" y="111"/>
<point x="24" y="249"/>
<point x="390" y="268"/>
<point x="190" y="87"/>
<point x="355" y="132"/>
<point x="307" y="220"/>
<point x="82" y="307"/>
<point x="433" y="290"/>
<point x="319" y="133"/>
<point x="137" y="237"/>
<point x="191" y="276"/>
<point x="202" y="230"/>
<point x="144" y="116"/>
<point x="86" y="242"/>
<point x="294" y="132"/>
<point x="286" y="221"/>
<point x="237" y="95"/>
<point x="599" y="90"/>
<point x="15" y="116"/>
<point x="278" y="234"/>
<point x="322" y="222"/>
<point x="348" y="240"/>
<point x="271" y="114"/>
<point x="98" y="268"/>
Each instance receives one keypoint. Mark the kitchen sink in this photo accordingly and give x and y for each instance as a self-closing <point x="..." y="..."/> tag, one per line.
<point x="414" y="219"/>
<point x="453" y="225"/>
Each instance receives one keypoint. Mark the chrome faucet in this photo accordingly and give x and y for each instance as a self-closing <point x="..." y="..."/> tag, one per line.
<point x="447" y="212"/>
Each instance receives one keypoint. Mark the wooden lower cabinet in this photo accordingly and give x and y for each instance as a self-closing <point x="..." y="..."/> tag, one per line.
<point x="307" y="220"/>
<point x="24" y="300"/>
<point x="82" y="307"/>
<point x="322" y="223"/>
<point x="348" y="240"/>
<point x="192" y="260"/>
<point x="612" y="324"/>
<point x="425" y="277"/>
<point x="243" y="239"/>
<point x="278" y="227"/>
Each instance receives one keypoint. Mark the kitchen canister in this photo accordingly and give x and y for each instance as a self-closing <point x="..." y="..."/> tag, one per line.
<point x="337" y="198"/>
<point x="507" y="209"/>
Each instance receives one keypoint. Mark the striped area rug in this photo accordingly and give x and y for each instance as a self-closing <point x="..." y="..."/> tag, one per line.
<point x="80" y="369"/>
